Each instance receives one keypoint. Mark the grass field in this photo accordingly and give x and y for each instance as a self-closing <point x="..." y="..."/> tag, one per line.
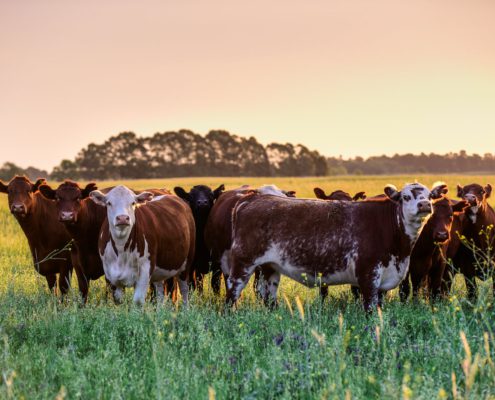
<point x="304" y="349"/>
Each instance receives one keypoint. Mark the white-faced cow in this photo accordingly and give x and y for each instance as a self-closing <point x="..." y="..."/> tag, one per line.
<point x="145" y="239"/>
<point x="366" y="244"/>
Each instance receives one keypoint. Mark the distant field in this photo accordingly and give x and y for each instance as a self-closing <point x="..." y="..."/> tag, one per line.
<point x="329" y="350"/>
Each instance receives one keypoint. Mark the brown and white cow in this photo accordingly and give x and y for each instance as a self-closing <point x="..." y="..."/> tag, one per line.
<point x="366" y="244"/>
<point x="429" y="254"/>
<point x="477" y="228"/>
<point x="145" y="239"/>
<point x="38" y="220"/>
<point x="218" y="232"/>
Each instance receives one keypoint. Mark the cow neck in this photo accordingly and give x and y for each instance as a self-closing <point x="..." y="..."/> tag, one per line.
<point x="30" y="222"/>
<point x="411" y="229"/>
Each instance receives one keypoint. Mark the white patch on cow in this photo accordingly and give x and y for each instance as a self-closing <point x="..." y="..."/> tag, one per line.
<point x="391" y="275"/>
<point x="142" y="284"/>
<point x="157" y="198"/>
<point x="161" y="274"/>
<point x="473" y="214"/>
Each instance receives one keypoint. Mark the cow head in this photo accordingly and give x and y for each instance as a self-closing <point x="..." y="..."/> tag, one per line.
<point x="20" y="191"/>
<point x="443" y="216"/>
<point x="68" y="197"/>
<point x="200" y="198"/>
<point x="415" y="205"/>
<point x="275" y="191"/>
<point x="338" y="195"/>
<point x="121" y="203"/>
<point x="476" y="195"/>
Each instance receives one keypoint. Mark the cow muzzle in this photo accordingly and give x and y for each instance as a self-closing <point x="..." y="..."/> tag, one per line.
<point x="67" y="216"/>
<point x="471" y="199"/>
<point x="18" y="209"/>
<point x="424" y="207"/>
<point x="442" y="237"/>
<point x="122" y="220"/>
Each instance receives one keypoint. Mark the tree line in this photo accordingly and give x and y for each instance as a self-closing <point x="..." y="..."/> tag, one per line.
<point x="219" y="153"/>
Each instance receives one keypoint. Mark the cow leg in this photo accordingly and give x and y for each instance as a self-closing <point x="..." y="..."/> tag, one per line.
<point x="471" y="286"/>
<point x="110" y="289"/>
<point x="118" y="295"/>
<point x="404" y="289"/>
<point x="369" y="290"/>
<point x="142" y="284"/>
<point x="323" y="292"/>
<point x="82" y="281"/>
<point x="51" y="280"/>
<point x="355" y="292"/>
<point x="272" y="284"/>
<point x="238" y="279"/>
<point x="259" y="284"/>
<point x="159" y="290"/>
<point x="184" y="289"/>
<point x="216" y="276"/>
<point x="199" y="278"/>
<point x="436" y="275"/>
<point x="170" y="289"/>
<point x="266" y="284"/>
<point x="64" y="280"/>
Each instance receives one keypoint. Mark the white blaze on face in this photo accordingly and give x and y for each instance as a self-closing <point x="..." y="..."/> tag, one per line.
<point x="413" y="195"/>
<point x="121" y="203"/>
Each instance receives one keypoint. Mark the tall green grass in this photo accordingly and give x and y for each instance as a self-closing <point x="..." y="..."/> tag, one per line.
<point x="304" y="349"/>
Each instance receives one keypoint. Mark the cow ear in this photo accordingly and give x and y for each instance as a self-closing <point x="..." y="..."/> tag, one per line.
<point x="359" y="195"/>
<point x="459" y="190"/>
<point x="88" y="189"/>
<point x="392" y="192"/>
<point x="142" y="198"/>
<point x="98" y="197"/>
<point x="320" y="193"/>
<point x="3" y="187"/>
<point x="218" y="191"/>
<point x="460" y="207"/>
<point x="439" y="190"/>
<point x="38" y="183"/>
<point x="488" y="190"/>
<point x="182" y="193"/>
<point x="47" y="192"/>
<point x="290" y="193"/>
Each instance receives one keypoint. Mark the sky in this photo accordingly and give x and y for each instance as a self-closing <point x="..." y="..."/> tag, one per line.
<point x="344" y="77"/>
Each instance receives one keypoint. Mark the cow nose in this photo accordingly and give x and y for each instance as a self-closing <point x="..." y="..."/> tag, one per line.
<point x="471" y="199"/>
<point x="202" y="203"/>
<point x="18" y="208"/>
<point x="442" y="236"/>
<point x="424" y="206"/>
<point x="122" y="220"/>
<point x="66" y="216"/>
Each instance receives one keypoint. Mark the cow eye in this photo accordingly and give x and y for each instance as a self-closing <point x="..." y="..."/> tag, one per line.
<point x="133" y="203"/>
<point x="406" y="197"/>
<point x="109" y="204"/>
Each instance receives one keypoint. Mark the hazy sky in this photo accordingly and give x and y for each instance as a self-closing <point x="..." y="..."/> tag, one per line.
<point x="350" y="77"/>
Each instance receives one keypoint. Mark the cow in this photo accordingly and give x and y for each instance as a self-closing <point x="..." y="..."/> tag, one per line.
<point x="46" y="236"/>
<point x="338" y="195"/>
<point x="341" y="196"/>
<point x="145" y="239"/>
<point x="201" y="199"/>
<point x="477" y="229"/>
<point x="366" y="244"/>
<point x="218" y="231"/>
<point x="429" y="254"/>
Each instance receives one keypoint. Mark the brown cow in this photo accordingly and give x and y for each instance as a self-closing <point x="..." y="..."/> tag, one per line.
<point x="218" y="232"/>
<point x="366" y="244"/>
<point x="429" y="255"/>
<point x="477" y="228"/>
<point x="37" y="218"/>
<point x="145" y="239"/>
<point x="83" y="219"/>
<point x="338" y="195"/>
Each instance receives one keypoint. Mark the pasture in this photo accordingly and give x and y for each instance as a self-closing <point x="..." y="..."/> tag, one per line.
<point x="303" y="349"/>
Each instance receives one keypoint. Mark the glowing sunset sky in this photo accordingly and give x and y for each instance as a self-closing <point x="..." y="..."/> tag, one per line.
<point x="343" y="77"/>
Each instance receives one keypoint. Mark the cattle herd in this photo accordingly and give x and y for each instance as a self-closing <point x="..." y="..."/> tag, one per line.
<point x="157" y="240"/>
